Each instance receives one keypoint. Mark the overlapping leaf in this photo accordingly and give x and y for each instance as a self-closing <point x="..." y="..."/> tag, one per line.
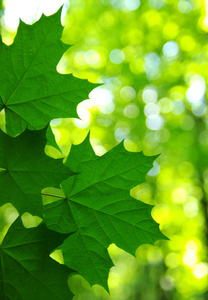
<point x="25" y="170"/>
<point x="26" y="270"/>
<point x="31" y="90"/>
<point x="98" y="210"/>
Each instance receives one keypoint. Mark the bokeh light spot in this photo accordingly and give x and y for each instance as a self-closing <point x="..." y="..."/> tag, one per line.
<point x="156" y="4"/>
<point x="84" y="115"/>
<point x="191" y="210"/>
<point x="151" y="109"/>
<point x="131" y="111"/>
<point x="117" y="56"/>
<point x="170" y="30"/>
<point x="172" y="260"/>
<point x="163" y="135"/>
<point x="160" y="213"/>
<point x="128" y="93"/>
<point x="184" y="6"/>
<point x="179" y="194"/>
<point x="154" y="255"/>
<point x="132" y="4"/>
<point x="56" y="122"/>
<point x="154" y="122"/>
<point x="92" y="57"/>
<point x="164" y="105"/>
<point x="152" y="63"/>
<point x="190" y="257"/>
<point x="167" y="283"/>
<point x="121" y="133"/>
<point x="99" y="150"/>
<point x="199" y="109"/>
<point x="197" y="89"/>
<point x="155" y="170"/>
<point x="177" y="107"/>
<point x="187" y="43"/>
<point x="200" y="270"/>
<point x="80" y="58"/>
<point x="149" y="95"/>
<point x="170" y="49"/>
<point x="102" y="98"/>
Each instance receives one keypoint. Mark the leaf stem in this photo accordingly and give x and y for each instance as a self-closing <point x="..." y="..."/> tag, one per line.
<point x="56" y="196"/>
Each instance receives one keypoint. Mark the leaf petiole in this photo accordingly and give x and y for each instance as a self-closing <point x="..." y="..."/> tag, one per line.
<point x="50" y="195"/>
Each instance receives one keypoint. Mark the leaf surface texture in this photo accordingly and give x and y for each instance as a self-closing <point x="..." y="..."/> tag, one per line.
<point x="98" y="209"/>
<point x="32" y="92"/>
<point x="26" y="270"/>
<point x="26" y="170"/>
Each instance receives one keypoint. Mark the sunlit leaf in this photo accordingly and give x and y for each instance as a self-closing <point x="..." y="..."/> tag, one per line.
<point x="98" y="210"/>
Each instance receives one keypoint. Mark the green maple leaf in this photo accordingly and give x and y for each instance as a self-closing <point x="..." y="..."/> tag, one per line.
<point x="32" y="92"/>
<point x="98" y="210"/>
<point x="26" y="270"/>
<point x="25" y="170"/>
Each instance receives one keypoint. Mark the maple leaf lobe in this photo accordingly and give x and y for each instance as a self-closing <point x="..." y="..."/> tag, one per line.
<point x="27" y="169"/>
<point x="32" y="91"/>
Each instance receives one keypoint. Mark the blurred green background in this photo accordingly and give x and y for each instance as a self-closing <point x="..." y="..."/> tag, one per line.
<point x="152" y="58"/>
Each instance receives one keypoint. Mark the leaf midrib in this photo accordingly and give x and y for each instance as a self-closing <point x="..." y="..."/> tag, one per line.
<point x="113" y="216"/>
<point x="104" y="180"/>
<point x="48" y="96"/>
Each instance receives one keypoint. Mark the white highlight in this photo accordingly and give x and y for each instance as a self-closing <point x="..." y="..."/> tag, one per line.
<point x="170" y="49"/>
<point x="29" y="11"/>
<point x="132" y="4"/>
<point x="196" y="91"/>
<point x="104" y="99"/>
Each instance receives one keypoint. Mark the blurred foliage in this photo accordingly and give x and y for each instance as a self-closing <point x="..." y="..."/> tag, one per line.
<point x="1" y="11"/>
<point x="152" y="58"/>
